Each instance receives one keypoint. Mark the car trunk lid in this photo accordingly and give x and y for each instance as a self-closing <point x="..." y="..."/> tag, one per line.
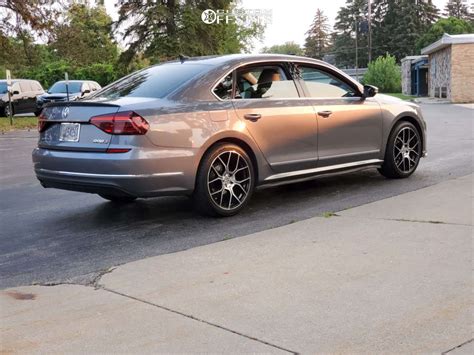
<point x="66" y="126"/>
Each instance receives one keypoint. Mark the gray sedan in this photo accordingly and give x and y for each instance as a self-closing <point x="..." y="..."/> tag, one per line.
<point x="215" y="128"/>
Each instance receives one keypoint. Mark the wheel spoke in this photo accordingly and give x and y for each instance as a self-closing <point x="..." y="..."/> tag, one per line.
<point x="216" y="192"/>
<point x="215" y="171"/>
<point x="236" y="165"/>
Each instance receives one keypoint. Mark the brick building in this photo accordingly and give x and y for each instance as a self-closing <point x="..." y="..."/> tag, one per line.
<point x="451" y="67"/>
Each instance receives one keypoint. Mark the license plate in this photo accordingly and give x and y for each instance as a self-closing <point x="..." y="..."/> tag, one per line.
<point x="69" y="132"/>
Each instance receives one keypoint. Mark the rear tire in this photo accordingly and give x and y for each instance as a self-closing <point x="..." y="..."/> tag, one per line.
<point x="403" y="151"/>
<point x="118" y="199"/>
<point x="224" y="182"/>
<point x="6" y="111"/>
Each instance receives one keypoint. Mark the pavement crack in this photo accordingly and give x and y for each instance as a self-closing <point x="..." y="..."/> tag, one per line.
<point x="458" y="346"/>
<point x="407" y="220"/>
<point x="95" y="281"/>
<point x="198" y="320"/>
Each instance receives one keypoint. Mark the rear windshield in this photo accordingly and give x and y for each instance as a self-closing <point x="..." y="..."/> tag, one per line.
<point x="155" y="82"/>
<point x="3" y="88"/>
<point x="60" y="87"/>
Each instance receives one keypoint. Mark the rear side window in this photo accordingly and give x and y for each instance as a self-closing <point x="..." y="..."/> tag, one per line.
<point x="35" y="86"/>
<point x="265" y="82"/>
<point x="154" y="82"/>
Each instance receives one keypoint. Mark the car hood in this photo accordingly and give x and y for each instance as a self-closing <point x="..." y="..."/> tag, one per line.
<point x="390" y="100"/>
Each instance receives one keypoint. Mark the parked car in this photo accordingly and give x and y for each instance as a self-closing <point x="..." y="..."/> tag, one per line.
<point x="77" y="89"/>
<point x="218" y="127"/>
<point x="24" y="93"/>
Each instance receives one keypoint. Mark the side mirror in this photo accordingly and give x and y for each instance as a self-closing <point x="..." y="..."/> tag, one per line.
<point x="16" y="92"/>
<point x="86" y="91"/>
<point x="370" y="90"/>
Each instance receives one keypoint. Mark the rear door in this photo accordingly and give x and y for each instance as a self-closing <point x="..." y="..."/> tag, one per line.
<point x="280" y="121"/>
<point x="66" y="126"/>
<point x="349" y="126"/>
<point x="18" y="103"/>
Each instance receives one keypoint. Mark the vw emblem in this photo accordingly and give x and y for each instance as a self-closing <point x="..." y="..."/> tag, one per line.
<point x="208" y="16"/>
<point x="65" y="112"/>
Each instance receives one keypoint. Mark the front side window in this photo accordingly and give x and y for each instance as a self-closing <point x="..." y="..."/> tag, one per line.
<point x="322" y="84"/>
<point x="85" y="87"/>
<point x="264" y="82"/>
<point x="3" y="88"/>
<point x="16" y="87"/>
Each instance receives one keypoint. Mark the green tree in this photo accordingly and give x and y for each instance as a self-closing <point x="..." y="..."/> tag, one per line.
<point x="397" y="25"/>
<point x="458" y="9"/>
<point x="384" y="73"/>
<point x="85" y="37"/>
<point x="348" y="28"/>
<point x="450" y="25"/>
<point x="163" y="29"/>
<point x="317" y="37"/>
<point x="285" y="48"/>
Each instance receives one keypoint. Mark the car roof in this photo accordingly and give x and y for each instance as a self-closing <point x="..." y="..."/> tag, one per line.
<point x="237" y="58"/>
<point x="17" y="80"/>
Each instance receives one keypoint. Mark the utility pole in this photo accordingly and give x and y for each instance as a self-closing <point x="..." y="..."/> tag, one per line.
<point x="370" y="31"/>
<point x="357" y="50"/>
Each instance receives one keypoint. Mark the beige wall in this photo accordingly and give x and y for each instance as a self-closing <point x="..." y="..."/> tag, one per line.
<point x="462" y="72"/>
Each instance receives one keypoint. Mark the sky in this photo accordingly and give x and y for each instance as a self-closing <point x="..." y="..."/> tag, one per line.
<point x="290" y="19"/>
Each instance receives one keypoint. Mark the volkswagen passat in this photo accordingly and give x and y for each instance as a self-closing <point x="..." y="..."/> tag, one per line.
<point x="218" y="127"/>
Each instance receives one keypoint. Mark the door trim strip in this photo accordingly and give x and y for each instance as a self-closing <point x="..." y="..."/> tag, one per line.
<point x="323" y="169"/>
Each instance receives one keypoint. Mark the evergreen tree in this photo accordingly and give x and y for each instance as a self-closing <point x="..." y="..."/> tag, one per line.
<point x="398" y="24"/>
<point x="317" y="37"/>
<point x="349" y="27"/>
<point x="163" y="29"/>
<point x="458" y="9"/>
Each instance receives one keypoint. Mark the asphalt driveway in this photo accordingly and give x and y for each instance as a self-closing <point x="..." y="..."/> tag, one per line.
<point x="52" y="236"/>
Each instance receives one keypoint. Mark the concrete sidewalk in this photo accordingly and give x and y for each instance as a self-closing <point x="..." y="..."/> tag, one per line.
<point x="391" y="276"/>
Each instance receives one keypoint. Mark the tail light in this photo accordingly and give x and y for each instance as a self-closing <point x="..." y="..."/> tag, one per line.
<point x="121" y="123"/>
<point x="42" y="122"/>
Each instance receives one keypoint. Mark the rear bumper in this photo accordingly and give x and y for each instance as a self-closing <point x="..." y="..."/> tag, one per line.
<point x="115" y="174"/>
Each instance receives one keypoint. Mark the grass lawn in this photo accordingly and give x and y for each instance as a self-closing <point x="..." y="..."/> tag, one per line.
<point x="400" y="95"/>
<point x="18" y="123"/>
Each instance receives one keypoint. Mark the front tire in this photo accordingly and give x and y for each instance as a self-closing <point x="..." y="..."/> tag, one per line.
<point x="403" y="151"/>
<point x="118" y="199"/>
<point x="225" y="181"/>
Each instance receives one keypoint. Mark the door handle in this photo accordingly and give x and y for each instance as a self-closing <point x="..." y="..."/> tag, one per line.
<point x="254" y="117"/>
<point x="324" y="113"/>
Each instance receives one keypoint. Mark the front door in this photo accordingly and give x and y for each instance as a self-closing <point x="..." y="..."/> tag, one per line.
<point x="281" y="122"/>
<point x="349" y="126"/>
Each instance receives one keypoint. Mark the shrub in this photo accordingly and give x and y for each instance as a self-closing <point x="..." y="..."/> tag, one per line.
<point x="384" y="73"/>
